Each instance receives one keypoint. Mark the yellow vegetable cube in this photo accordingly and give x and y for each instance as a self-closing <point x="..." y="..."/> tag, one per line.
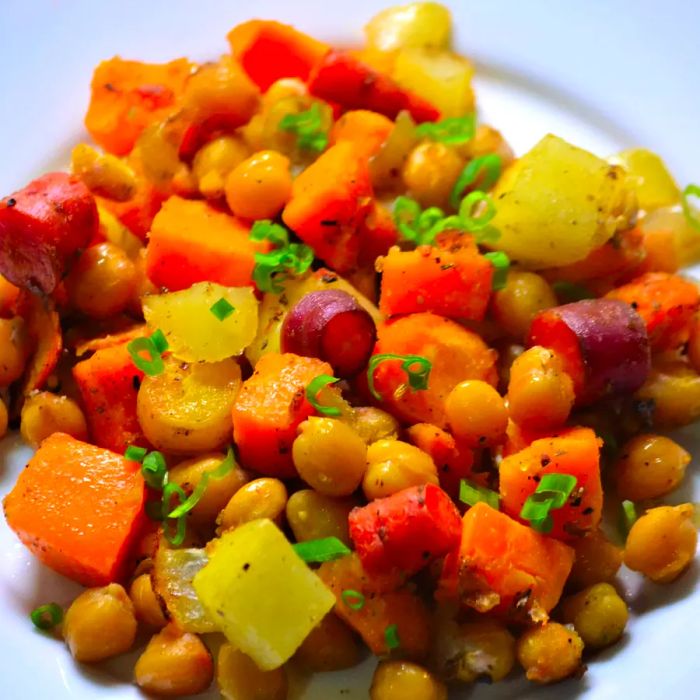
<point x="557" y="203"/>
<point x="649" y="177"/>
<point x="441" y="77"/>
<point x="194" y="331"/>
<point x="417" y="25"/>
<point x="260" y="594"/>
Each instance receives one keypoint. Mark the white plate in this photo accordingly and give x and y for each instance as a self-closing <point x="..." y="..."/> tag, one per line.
<point x="604" y="75"/>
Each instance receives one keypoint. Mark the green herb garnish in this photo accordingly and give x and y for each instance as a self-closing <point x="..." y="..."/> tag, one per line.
<point x="222" y="309"/>
<point x="312" y="390"/>
<point x="308" y="127"/>
<point x="353" y="599"/>
<point x="451" y="131"/>
<point x="501" y="265"/>
<point x="471" y="494"/>
<point x="391" y="637"/>
<point x="135" y="453"/>
<point x="691" y="215"/>
<point x="175" y="536"/>
<point x="46" y="617"/>
<point x="154" y="346"/>
<point x="154" y="470"/>
<point x="551" y="493"/>
<point x="628" y="517"/>
<point x="490" y="164"/>
<point x="324" y="549"/>
<point x="416" y="367"/>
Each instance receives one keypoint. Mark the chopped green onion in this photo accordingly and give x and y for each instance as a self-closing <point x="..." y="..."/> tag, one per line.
<point x="154" y="470"/>
<point x="469" y="204"/>
<point x="160" y="341"/>
<point x="194" y="498"/>
<point x="46" y="617"/>
<point x="451" y="131"/>
<point x="406" y="214"/>
<point x="551" y="493"/>
<point x="391" y="637"/>
<point x="312" y="390"/>
<point x="152" y="366"/>
<point x="222" y="309"/>
<point x="501" y="265"/>
<point x="416" y="367"/>
<point x="628" y="516"/>
<point x="135" y="453"/>
<point x="471" y="494"/>
<point x="308" y="127"/>
<point x="174" y="536"/>
<point x="570" y="291"/>
<point x="325" y="549"/>
<point x="490" y="164"/>
<point x="691" y="215"/>
<point x="266" y="230"/>
<point x="353" y="599"/>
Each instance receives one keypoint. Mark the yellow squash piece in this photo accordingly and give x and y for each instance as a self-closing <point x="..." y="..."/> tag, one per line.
<point x="416" y="25"/>
<point x="649" y="178"/>
<point x="557" y="203"/>
<point x="260" y="594"/>
<point x="193" y="331"/>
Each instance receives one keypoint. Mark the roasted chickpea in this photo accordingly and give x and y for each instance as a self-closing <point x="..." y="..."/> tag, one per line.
<point x="650" y="466"/>
<point x="549" y="653"/>
<point x="598" y="614"/>
<point x="284" y="87"/>
<point x="675" y="390"/>
<point x="145" y="601"/>
<point x="214" y="161"/>
<point x="312" y="516"/>
<point x="430" y="173"/>
<point x="261" y="498"/>
<point x="597" y="560"/>
<point x="403" y="679"/>
<point x="99" y="624"/>
<point x="476" y="414"/>
<point x="331" y="646"/>
<point x="102" y="282"/>
<point x="373" y="424"/>
<point x="260" y="186"/>
<point x="14" y="349"/>
<point x="218" y="493"/>
<point x="45" y="413"/>
<point x="540" y="393"/>
<point x="239" y="678"/>
<point x="393" y="465"/>
<point x="174" y="663"/>
<point x="489" y="140"/>
<point x="514" y="306"/>
<point x="662" y="543"/>
<point x="3" y="419"/>
<point x="103" y="173"/>
<point x="329" y="456"/>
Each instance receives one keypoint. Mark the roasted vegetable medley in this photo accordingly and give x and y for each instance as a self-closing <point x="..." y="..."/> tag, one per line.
<point x="314" y="365"/>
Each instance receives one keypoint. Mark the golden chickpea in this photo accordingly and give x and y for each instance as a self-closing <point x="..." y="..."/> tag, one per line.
<point x="174" y="663"/>
<point x="650" y="466"/>
<point x="312" y="516"/>
<point x="393" y="465"/>
<point x="100" y="624"/>
<point x="102" y="282"/>
<point x="218" y="493"/>
<point x="239" y="678"/>
<point x="675" y="390"/>
<point x="525" y="294"/>
<point x="476" y="414"/>
<point x="662" y="543"/>
<point x="598" y="614"/>
<point x="488" y="650"/>
<point x="540" y="393"/>
<point x="549" y="653"/>
<point x="214" y="161"/>
<point x="373" y="424"/>
<point x="261" y="498"/>
<point x="3" y="419"/>
<point x="284" y="87"/>
<point x="103" y="173"/>
<point x="430" y="173"/>
<point x="597" y="560"/>
<point x="488" y="140"/>
<point x="331" y="646"/>
<point x="14" y="349"/>
<point x="45" y="413"/>
<point x="260" y="186"/>
<point x="403" y="679"/>
<point x="329" y="456"/>
<point x="145" y="601"/>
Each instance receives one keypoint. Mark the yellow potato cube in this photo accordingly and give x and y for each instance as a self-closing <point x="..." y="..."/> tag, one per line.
<point x="649" y="178"/>
<point x="417" y="25"/>
<point x="260" y="594"/>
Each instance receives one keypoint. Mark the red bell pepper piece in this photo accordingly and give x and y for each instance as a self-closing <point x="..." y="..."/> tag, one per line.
<point x="405" y="531"/>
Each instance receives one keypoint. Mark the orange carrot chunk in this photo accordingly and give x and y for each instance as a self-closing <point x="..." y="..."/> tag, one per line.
<point x="365" y="129"/>
<point x="575" y="452"/>
<point x="191" y="242"/>
<point x="78" y="508"/>
<point x="329" y="201"/>
<point x="270" y="407"/>
<point x="108" y="383"/>
<point x="504" y="566"/>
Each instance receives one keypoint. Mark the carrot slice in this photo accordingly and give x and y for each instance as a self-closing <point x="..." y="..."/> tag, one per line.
<point x="78" y="508"/>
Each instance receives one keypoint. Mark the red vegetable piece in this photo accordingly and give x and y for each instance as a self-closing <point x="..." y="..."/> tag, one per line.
<point x="342" y="78"/>
<point x="603" y="344"/>
<point x="42" y="228"/>
<point x="405" y="531"/>
<point x="330" y="324"/>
